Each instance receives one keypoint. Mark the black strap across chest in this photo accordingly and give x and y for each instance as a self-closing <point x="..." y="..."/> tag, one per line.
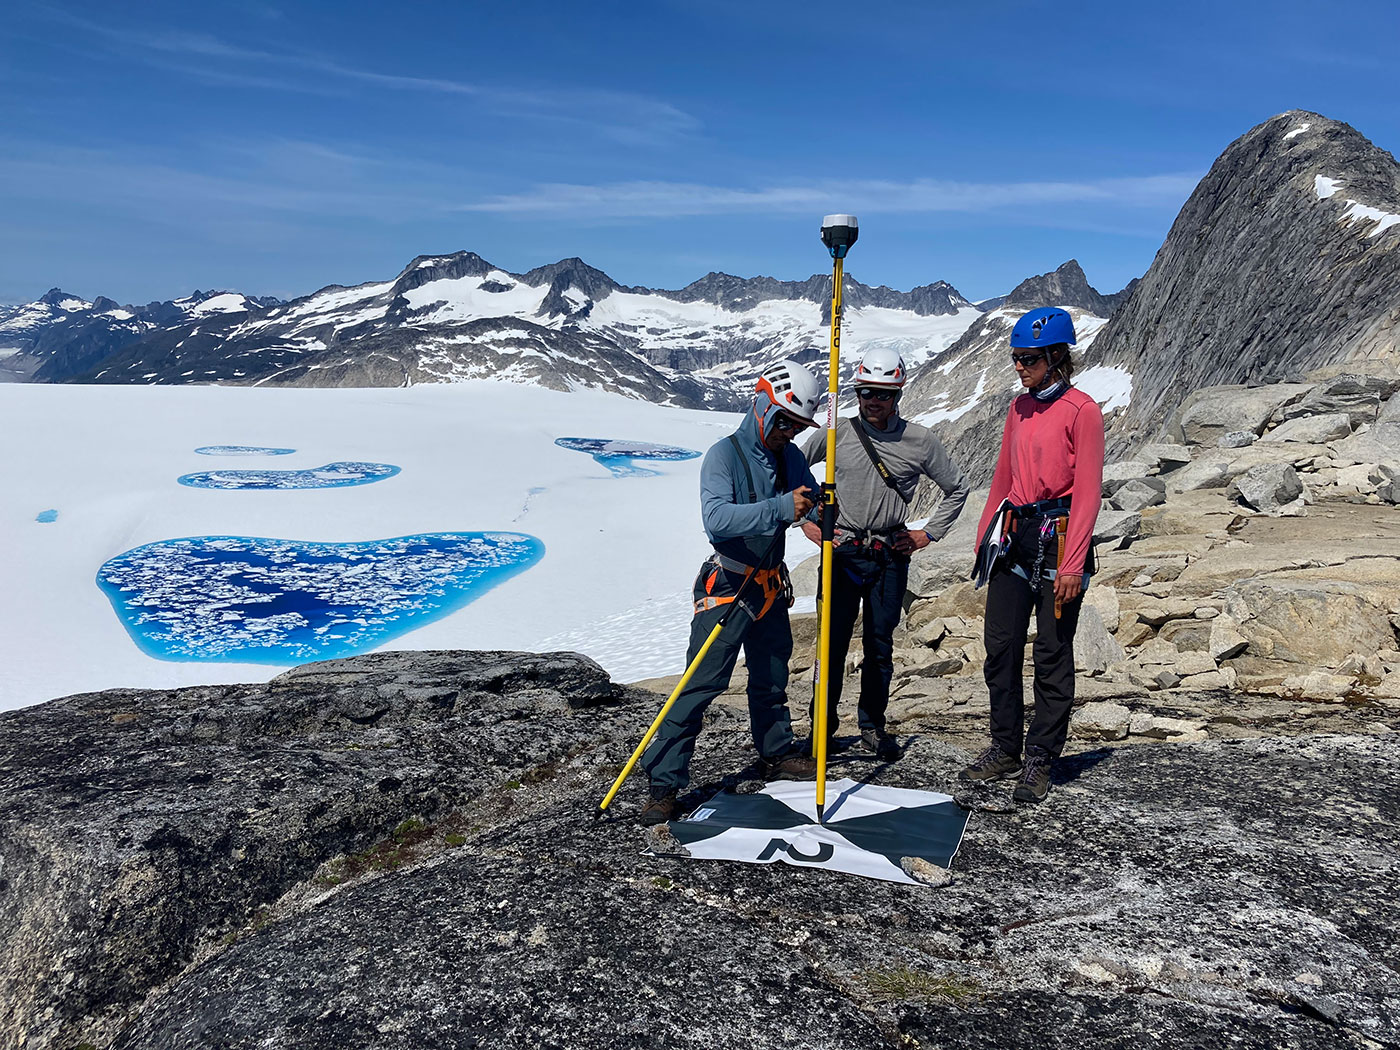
<point x="880" y="467"/>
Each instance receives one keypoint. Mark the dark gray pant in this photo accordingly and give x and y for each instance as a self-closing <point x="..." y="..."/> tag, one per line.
<point x="1010" y="604"/>
<point x="878" y="580"/>
<point x="767" y="645"/>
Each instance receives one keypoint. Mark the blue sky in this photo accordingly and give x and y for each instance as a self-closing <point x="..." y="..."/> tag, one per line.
<point x="149" y="149"/>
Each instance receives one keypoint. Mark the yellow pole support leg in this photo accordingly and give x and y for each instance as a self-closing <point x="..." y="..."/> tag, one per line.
<point x="661" y="717"/>
<point x="734" y="606"/>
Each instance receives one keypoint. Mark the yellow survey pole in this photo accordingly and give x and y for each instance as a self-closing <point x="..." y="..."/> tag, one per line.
<point x="838" y="234"/>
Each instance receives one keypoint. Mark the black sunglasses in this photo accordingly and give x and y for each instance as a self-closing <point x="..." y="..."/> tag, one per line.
<point x="787" y="424"/>
<point x="1027" y="360"/>
<point x="867" y="393"/>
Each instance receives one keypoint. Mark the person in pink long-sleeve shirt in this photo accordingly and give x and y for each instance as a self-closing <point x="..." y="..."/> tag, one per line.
<point x="1050" y="470"/>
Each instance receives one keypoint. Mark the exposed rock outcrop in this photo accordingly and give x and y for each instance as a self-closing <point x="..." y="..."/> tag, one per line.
<point x="1282" y="261"/>
<point x="395" y="852"/>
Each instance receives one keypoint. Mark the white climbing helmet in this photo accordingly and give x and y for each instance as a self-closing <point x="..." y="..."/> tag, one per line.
<point x="792" y="388"/>
<point x="880" y="366"/>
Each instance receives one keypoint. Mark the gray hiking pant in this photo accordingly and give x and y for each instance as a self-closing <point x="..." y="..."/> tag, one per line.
<point x="767" y="646"/>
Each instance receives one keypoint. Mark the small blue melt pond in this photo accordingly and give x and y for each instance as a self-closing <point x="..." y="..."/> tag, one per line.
<point x="242" y="450"/>
<point x="618" y="455"/>
<point x="274" y="601"/>
<point x="47" y="517"/>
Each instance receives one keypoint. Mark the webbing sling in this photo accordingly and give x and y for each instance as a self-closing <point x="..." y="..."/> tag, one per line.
<point x="880" y="467"/>
<point x="744" y="462"/>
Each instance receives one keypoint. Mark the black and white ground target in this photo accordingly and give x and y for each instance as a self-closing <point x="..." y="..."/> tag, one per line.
<point x="869" y="830"/>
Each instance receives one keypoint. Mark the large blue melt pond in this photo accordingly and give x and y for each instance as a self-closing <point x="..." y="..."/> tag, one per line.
<point x="255" y="600"/>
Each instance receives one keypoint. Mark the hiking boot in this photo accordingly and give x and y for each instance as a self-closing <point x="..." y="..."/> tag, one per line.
<point x="659" y="809"/>
<point x="885" y="747"/>
<point x="1034" y="783"/>
<point x="792" y="766"/>
<point x="992" y="764"/>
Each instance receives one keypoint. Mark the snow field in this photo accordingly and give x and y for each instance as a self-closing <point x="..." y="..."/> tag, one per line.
<point x="476" y="456"/>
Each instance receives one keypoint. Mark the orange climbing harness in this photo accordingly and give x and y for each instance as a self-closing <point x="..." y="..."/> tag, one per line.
<point x="774" y="584"/>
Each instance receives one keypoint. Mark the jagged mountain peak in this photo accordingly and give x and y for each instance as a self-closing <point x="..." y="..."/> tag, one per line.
<point x="572" y="288"/>
<point x="568" y="273"/>
<point x="1064" y="286"/>
<point x="1284" y="259"/>
<point x="58" y="297"/>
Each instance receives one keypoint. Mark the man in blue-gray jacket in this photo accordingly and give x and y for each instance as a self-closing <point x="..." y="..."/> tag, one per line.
<point x="753" y="485"/>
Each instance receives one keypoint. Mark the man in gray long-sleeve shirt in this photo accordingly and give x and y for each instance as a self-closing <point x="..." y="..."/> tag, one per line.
<point x="873" y="543"/>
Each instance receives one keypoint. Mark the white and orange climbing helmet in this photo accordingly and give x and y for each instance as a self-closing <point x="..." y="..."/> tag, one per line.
<point x="792" y="388"/>
<point x="880" y="366"/>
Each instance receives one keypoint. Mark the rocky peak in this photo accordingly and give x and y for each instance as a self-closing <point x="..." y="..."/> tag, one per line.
<point x="1065" y="286"/>
<point x="572" y="272"/>
<point x="940" y="297"/>
<point x="1282" y="260"/>
<point x="426" y="268"/>
<point x="566" y="274"/>
<point x="55" y="296"/>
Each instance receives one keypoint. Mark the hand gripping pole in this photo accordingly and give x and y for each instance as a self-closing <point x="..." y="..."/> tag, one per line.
<point x="686" y="677"/>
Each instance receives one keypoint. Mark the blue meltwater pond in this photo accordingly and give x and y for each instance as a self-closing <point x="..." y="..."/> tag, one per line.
<point x="242" y="450"/>
<point x="256" y="600"/>
<point x="332" y="475"/>
<point x="618" y="454"/>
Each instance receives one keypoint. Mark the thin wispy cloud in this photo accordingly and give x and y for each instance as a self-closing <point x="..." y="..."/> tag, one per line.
<point x="639" y="200"/>
<point x="620" y="115"/>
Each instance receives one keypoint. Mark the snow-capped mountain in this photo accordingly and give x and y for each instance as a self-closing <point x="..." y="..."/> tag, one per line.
<point x="565" y="326"/>
<point x="60" y="334"/>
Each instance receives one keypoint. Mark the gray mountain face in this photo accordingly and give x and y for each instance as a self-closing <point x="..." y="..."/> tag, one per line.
<point x="1286" y="258"/>
<point x="1066" y="286"/>
<point x="452" y="317"/>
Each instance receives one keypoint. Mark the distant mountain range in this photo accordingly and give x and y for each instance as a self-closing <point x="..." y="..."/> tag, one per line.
<point x="454" y="317"/>
<point x="1286" y="258"/>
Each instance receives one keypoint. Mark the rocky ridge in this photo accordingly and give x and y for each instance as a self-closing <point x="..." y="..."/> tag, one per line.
<point x="1284" y="259"/>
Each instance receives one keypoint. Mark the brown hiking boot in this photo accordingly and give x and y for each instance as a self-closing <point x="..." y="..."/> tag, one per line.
<point x="792" y="766"/>
<point x="659" y="810"/>
<point x="992" y="764"/>
<point x="1034" y="783"/>
<point x="881" y="744"/>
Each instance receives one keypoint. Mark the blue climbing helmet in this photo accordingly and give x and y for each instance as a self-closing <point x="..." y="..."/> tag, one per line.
<point x="1043" y="327"/>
